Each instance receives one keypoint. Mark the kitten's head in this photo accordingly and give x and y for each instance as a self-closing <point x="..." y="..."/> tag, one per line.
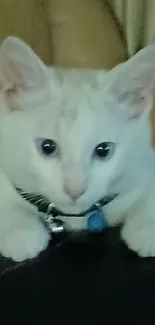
<point x="74" y="136"/>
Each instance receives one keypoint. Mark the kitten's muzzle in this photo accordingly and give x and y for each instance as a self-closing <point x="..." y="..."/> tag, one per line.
<point x="74" y="194"/>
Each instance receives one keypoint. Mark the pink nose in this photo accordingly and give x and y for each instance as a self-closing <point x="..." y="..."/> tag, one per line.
<point x="74" y="193"/>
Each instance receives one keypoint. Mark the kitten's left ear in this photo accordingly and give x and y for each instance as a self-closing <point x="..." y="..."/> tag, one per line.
<point x="133" y="85"/>
<point x="20" y="68"/>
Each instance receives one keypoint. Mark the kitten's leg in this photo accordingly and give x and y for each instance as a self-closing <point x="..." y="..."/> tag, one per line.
<point x="139" y="234"/>
<point x="24" y="239"/>
<point x="22" y="234"/>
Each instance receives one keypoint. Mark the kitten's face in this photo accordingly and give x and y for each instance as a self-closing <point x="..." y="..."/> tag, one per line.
<point x="75" y="145"/>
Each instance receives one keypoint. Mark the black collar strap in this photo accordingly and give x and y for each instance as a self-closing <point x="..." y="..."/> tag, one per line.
<point x="45" y="206"/>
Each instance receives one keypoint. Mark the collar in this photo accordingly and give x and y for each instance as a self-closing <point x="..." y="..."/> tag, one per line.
<point x="52" y="212"/>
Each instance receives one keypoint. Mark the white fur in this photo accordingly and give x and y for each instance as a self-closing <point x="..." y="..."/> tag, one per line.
<point x="78" y="109"/>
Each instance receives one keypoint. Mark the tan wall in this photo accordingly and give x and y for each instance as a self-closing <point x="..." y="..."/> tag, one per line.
<point x="26" y="19"/>
<point x="85" y="34"/>
<point x="68" y="32"/>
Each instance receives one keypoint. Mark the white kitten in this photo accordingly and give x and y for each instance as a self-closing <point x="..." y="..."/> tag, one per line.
<point x="77" y="109"/>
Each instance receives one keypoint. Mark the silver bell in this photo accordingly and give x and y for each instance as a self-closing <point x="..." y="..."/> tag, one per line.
<point x="55" y="225"/>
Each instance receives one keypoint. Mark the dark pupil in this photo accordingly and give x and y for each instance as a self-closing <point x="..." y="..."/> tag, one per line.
<point x="102" y="150"/>
<point x="48" y="147"/>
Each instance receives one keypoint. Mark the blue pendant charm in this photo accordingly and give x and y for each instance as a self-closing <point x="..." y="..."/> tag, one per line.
<point x="96" y="221"/>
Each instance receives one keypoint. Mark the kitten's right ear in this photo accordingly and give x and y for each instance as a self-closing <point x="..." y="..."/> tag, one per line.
<point x="133" y="84"/>
<point x="20" y="68"/>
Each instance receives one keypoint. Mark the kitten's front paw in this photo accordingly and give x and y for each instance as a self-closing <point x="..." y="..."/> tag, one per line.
<point x="140" y="238"/>
<point x="24" y="242"/>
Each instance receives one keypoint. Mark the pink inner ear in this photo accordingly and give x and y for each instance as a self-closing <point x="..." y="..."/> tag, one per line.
<point x="136" y="100"/>
<point x="134" y="97"/>
<point x="10" y="77"/>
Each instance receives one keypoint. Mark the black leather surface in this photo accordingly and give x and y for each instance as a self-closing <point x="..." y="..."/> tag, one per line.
<point x="91" y="280"/>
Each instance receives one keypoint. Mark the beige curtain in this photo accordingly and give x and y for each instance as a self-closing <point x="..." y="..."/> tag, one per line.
<point x="137" y="18"/>
<point x="27" y="20"/>
<point x="84" y="33"/>
<point x="65" y="32"/>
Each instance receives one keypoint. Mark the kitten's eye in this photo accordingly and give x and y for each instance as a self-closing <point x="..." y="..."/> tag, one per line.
<point x="104" y="149"/>
<point x="48" y="147"/>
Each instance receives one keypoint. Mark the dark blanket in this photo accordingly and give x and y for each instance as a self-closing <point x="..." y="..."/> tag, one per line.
<point x="91" y="280"/>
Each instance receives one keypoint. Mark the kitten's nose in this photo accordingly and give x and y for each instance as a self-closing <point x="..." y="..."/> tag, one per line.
<point x="74" y="192"/>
